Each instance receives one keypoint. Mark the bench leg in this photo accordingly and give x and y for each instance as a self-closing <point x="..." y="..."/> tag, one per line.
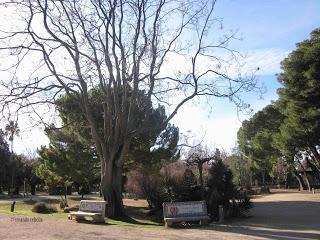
<point x="167" y="224"/>
<point x="79" y="218"/>
<point x="204" y="222"/>
<point x="98" y="219"/>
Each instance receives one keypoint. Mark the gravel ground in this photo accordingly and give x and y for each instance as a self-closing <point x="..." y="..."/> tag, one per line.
<point x="281" y="215"/>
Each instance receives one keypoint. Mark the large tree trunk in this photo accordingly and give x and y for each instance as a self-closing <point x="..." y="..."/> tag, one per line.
<point x="117" y="190"/>
<point x="2" y="177"/>
<point x="33" y="189"/>
<point x="287" y="180"/>
<point x="65" y="192"/>
<point x="16" y="190"/>
<point x="305" y="176"/>
<point x="1" y="184"/>
<point x="315" y="154"/>
<point x="111" y="183"/>
<point x="315" y="162"/>
<point x="307" y="181"/>
<point x="263" y="178"/>
<point x="302" y="185"/>
<point x="251" y="179"/>
<point x="200" y="169"/>
<point x="111" y="165"/>
<point x="111" y="187"/>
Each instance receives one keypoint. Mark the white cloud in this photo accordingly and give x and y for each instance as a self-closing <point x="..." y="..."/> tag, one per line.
<point x="216" y="131"/>
<point x="268" y="60"/>
<point x="31" y="125"/>
<point x="30" y="140"/>
<point x="220" y="130"/>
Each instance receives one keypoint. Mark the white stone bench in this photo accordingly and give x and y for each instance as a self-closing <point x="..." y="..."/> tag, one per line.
<point x="185" y="211"/>
<point x="89" y="208"/>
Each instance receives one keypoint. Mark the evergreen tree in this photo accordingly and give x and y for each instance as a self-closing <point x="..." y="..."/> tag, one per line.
<point x="71" y="156"/>
<point x="256" y="139"/>
<point x="220" y="187"/>
<point x="300" y="99"/>
<point x="4" y="161"/>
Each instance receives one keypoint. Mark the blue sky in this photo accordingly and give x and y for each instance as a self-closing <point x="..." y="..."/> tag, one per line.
<point x="270" y="25"/>
<point x="269" y="29"/>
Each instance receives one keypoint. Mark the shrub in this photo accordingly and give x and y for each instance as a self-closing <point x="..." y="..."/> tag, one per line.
<point x="58" y="190"/>
<point x="148" y="186"/>
<point x="71" y="209"/>
<point x="63" y="203"/>
<point x="220" y="188"/>
<point x="84" y="189"/>
<point x="184" y="187"/>
<point x="242" y="207"/>
<point x="41" y="207"/>
<point x="173" y="183"/>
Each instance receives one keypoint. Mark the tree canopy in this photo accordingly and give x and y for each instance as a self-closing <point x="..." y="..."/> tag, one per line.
<point x="127" y="49"/>
<point x="4" y="159"/>
<point x="256" y="138"/>
<point x="72" y="158"/>
<point x="300" y="95"/>
<point x="290" y="127"/>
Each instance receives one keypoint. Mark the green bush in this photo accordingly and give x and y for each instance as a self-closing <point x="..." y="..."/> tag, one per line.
<point x="41" y="207"/>
<point x="84" y="189"/>
<point x="221" y="191"/>
<point x="63" y="203"/>
<point x="177" y="183"/>
<point x="242" y="207"/>
<point x="71" y="209"/>
<point x="173" y="183"/>
<point x="220" y="188"/>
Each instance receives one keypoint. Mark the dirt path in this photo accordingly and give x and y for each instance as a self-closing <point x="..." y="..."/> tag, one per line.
<point x="282" y="216"/>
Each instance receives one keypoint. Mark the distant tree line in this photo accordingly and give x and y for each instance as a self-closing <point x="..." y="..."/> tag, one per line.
<point x="283" y="139"/>
<point x="16" y="171"/>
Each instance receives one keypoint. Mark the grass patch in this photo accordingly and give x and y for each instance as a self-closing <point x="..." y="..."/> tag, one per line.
<point x="24" y="208"/>
<point x="137" y="216"/>
<point x="131" y="222"/>
<point x="4" y="195"/>
<point x="42" y="207"/>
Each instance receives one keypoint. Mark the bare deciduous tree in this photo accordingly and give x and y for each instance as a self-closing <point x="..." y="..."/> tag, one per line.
<point x="125" y="47"/>
<point x="200" y="155"/>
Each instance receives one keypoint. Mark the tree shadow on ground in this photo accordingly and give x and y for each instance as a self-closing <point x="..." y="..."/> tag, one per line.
<point x="78" y="198"/>
<point x="139" y="216"/>
<point x="284" y="191"/>
<point x="278" y="220"/>
<point x="134" y="216"/>
<point x="291" y="215"/>
<point x="134" y="221"/>
<point x="89" y="221"/>
<point x="125" y="221"/>
<point x="265" y="233"/>
<point x="256" y="196"/>
<point x="48" y="201"/>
